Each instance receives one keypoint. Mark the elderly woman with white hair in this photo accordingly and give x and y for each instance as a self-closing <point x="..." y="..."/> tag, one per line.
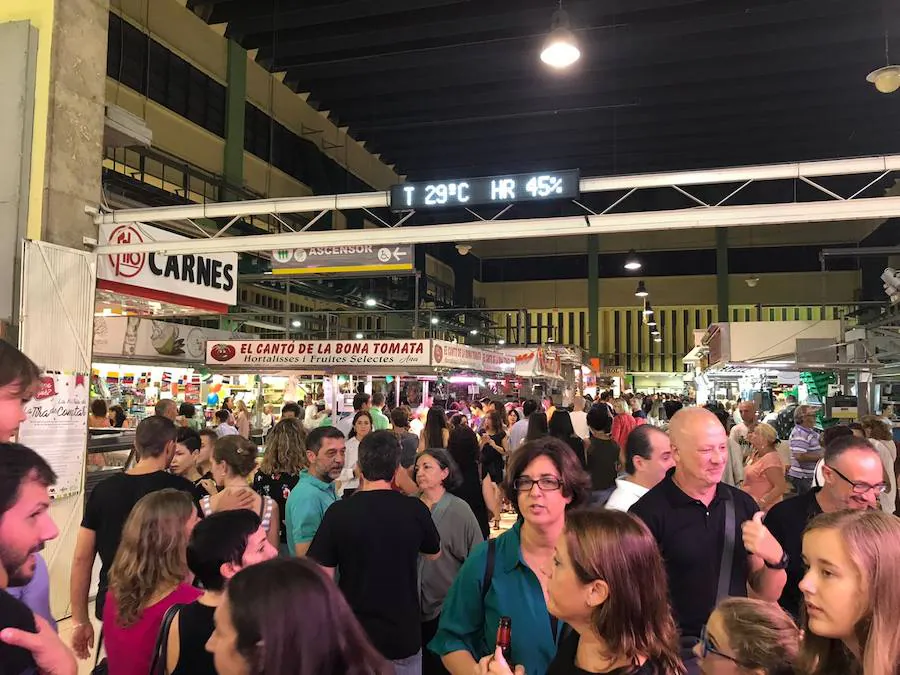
<point x="806" y="449"/>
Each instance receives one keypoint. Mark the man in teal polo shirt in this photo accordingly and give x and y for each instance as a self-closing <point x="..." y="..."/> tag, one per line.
<point x="314" y="491"/>
<point x="379" y="419"/>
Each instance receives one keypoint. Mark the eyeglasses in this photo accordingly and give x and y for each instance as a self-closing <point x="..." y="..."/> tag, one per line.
<point x="545" y="483"/>
<point x="706" y="648"/>
<point x="860" y="488"/>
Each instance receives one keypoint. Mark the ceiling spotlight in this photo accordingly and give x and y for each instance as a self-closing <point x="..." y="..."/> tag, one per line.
<point x="463" y="249"/>
<point x="474" y="331"/>
<point x="641" y="290"/>
<point x="648" y="310"/>
<point x="371" y="302"/>
<point x="886" y="80"/>
<point x="560" y="49"/>
<point x="434" y="321"/>
<point x="359" y="336"/>
<point x="632" y="262"/>
<point x="296" y="323"/>
<point x="658" y="338"/>
<point x="651" y="322"/>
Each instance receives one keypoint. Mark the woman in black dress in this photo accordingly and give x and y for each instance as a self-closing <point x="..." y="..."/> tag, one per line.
<point x="476" y="491"/>
<point x="561" y="428"/>
<point x="279" y="471"/>
<point x="494" y="449"/>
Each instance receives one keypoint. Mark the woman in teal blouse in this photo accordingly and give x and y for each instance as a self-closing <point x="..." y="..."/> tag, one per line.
<point x="544" y="480"/>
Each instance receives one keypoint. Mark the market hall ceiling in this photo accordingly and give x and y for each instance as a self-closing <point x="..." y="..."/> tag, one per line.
<point x="454" y="88"/>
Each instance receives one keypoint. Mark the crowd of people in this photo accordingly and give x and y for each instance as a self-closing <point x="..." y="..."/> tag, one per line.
<point x="629" y="554"/>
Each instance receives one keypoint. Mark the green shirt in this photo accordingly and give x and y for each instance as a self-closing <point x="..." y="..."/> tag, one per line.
<point x="469" y="624"/>
<point x="306" y="507"/>
<point x="381" y="422"/>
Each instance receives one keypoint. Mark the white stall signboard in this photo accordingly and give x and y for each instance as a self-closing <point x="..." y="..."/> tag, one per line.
<point x="207" y="282"/>
<point x="452" y="355"/>
<point x="318" y="353"/>
<point x="135" y="337"/>
<point x="56" y="426"/>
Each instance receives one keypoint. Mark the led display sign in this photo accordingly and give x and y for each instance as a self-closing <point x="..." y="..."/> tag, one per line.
<point x="523" y="187"/>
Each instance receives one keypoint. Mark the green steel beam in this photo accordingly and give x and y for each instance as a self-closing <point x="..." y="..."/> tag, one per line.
<point x="236" y="96"/>
<point x="593" y="249"/>
<point x="722" y="273"/>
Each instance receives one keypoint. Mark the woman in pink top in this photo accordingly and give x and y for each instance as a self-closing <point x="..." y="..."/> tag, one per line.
<point x="764" y="475"/>
<point x="149" y="574"/>
<point x="623" y="424"/>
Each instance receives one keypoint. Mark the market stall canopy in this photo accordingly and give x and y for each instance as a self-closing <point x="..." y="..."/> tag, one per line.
<point x="767" y="343"/>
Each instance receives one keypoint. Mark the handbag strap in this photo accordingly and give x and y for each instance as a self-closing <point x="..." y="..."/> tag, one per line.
<point x="158" y="666"/>
<point x="724" y="587"/>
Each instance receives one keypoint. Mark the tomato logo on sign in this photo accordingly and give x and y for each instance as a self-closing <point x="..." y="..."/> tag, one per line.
<point x="127" y="265"/>
<point x="222" y="352"/>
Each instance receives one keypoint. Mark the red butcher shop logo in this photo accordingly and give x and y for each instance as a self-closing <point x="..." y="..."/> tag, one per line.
<point x="127" y="264"/>
<point x="223" y="352"/>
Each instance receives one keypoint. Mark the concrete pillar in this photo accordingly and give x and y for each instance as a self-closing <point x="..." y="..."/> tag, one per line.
<point x="593" y="249"/>
<point x="722" y="273"/>
<point x="235" y="101"/>
<point x="53" y="78"/>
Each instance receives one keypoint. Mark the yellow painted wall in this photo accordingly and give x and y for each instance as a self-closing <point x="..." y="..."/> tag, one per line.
<point x="180" y="30"/>
<point x="40" y="14"/>
<point x="624" y="337"/>
<point x="800" y="288"/>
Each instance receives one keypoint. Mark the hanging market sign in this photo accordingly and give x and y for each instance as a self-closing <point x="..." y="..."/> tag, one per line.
<point x="140" y="338"/>
<point x="538" y="363"/>
<point x="206" y="282"/>
<point x="343" y="259"/>
<point x="318" y="353"/>
<point x="452" y="355"/>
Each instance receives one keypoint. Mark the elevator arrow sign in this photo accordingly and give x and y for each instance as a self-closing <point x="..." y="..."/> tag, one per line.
<point x="355" y="259"/>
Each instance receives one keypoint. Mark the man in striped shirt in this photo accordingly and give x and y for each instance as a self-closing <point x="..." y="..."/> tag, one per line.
<point x="806" y="449"/>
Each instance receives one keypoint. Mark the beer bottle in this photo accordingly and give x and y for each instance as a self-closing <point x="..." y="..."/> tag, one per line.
<point x="504" y="638"/>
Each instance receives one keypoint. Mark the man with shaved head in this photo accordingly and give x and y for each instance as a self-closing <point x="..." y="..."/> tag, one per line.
<point x="696" y="520"/>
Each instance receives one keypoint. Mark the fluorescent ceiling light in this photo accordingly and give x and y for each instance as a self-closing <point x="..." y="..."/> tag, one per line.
<point x="371" y="302"/>
<point x="434" y="321"/>
<point x="359" y="336"/>
<point x="296" y="323"/>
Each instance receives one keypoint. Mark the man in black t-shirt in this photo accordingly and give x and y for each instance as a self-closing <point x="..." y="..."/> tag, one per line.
<point x="374" y="539"/>
<point x="25" y="526"/>
<point x="686" y="513"/>
<point x="105" y="514"/>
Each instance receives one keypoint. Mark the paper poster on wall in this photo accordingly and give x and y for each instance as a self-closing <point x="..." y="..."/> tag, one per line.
<point x="56" y="428"/>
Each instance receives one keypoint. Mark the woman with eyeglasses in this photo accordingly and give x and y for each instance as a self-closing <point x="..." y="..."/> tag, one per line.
<point x="608" y="583"/>
<point x="851" y="594"/>
<point x="744" y="635"/>
<point x="509" y="575"/>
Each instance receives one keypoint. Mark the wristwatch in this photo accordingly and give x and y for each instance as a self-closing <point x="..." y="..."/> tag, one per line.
<point x="781" y="564"/>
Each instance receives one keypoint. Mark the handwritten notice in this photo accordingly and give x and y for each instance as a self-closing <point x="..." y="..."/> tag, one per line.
<point x="56" y="427"/>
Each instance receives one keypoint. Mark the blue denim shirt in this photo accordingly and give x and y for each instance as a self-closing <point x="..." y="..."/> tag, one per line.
<point x="469" y="624"/>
